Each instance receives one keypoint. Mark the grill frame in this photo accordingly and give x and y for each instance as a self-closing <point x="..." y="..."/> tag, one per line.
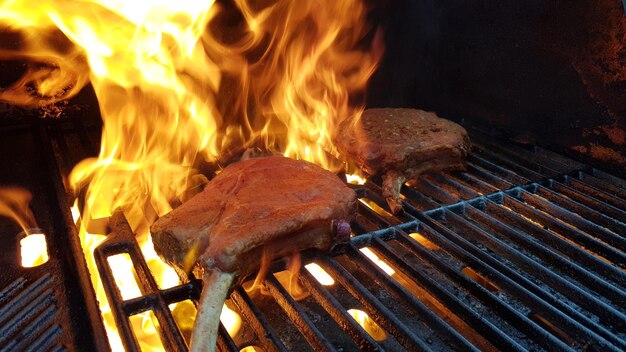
<point x="515" y="180"/>
<point x="35" y="308"/>
<point x="532" y="180"/>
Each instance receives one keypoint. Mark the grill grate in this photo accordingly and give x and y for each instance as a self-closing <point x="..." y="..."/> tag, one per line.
<point x="523" y="251"/>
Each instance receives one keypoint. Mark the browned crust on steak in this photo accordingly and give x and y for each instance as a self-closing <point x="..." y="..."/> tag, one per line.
<point x="401" y="144"/>
<point x="286" y="204"/>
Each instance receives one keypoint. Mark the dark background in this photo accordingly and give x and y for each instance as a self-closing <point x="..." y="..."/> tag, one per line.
<point x="546" y="72"/>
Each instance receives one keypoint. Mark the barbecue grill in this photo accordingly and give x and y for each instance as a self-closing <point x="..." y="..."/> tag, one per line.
<point x="524" y="250"/>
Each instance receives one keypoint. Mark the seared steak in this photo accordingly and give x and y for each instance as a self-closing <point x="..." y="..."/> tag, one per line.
<point x="401" y="144"/>
<point x="286" y="204"/>
<point x="271" y="206"/>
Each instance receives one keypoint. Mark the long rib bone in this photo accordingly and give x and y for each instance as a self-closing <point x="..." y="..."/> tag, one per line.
<point x="215" y="287"/>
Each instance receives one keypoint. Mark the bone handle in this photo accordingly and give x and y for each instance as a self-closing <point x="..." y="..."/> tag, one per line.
<point x="215" y="286"/>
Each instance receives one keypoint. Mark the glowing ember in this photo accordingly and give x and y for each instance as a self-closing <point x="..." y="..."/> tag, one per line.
<point x="320" y="274"/>
<point x="369" y="325"/>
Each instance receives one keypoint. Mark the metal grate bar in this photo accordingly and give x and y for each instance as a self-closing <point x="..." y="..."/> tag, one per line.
<point x="580" y="223"/>
<point x="580" y="209"/>
<point x="489" y="177"/>
<point x="601" y="175"/>
<point x="364" y="341"/>
<point x="587" y="200"/>
<point x="264" y="332"/>
<point x="531" y="160"/>
<point x="13" y="329"/>
<point x="568" y="231"/>
<point x="477" y="185"/>
<point x="542" y="252"/>
<point x="122" y="240"/>
<point x="297" y="315"/>
<point x="572" y="291"/>
<point x="46" y="340"/>
<point x="555" y="281"/>
<point x="457" y="340"/>
<point x="604" y="185"/>
<point x="596" y="193"/>
<point x="497" y="337"/>
<point x="435" y="192"/>
<point x="417" y="199"/>
<point x="383" y="316"/>
<point x="455" y="187"/>
<point x="572" y="252"/>
<point x="502" y="309"/>
<point x="224" y="341"/>
<point x="533" y="174"/>
<point x="545" y="259"/>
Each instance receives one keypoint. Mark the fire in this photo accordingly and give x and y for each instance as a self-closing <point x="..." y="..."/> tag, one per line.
<point x="376" y="260"/>
<point x="355" y="179"/>
<point x="14" y="205"/>
<point x="177" y="88"/>
<point x="368" y="324"/>
<point x="34" y="250"/>
<point x="421" y="239"/>
<point x="320" y="274"/>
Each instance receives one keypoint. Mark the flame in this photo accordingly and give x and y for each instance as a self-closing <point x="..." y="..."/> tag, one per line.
<point x="421" y="239"/>
<point x="376" y="208"/>
<point x="320" y="274"/>
<point x="177" y="87"/>
<point x="289" y="278"/>
<point x="179" y="83"/>
<point x="125" y="276"/>
<point x="14" y="205"/>
<point x="376" y="260"/>
<point x="144" y="327"/>
<point x="231" y="320"/>
<point x="355" y="179"/>
<point x="368" y="324"/>
<point x="184" y="313"/>
<point x="34" y="250"/>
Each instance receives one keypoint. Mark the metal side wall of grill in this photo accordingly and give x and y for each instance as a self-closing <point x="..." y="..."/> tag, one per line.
<point x="51" y="306"/>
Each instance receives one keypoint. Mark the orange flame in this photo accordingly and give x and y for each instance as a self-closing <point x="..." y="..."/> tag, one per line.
<point x="176" y="87"/>
<point x="184" y="82"/>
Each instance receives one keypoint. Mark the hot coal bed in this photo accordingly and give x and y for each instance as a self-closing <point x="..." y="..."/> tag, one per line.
<point x="525" y="250"/>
